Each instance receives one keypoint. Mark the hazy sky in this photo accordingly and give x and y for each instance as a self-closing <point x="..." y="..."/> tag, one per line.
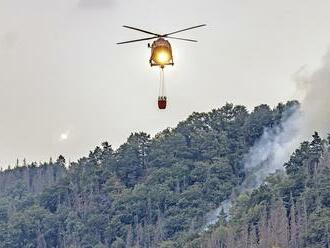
<point x="65" y="86"/>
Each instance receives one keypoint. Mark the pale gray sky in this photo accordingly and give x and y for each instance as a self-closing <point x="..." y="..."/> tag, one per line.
<point x="65" y="86"/>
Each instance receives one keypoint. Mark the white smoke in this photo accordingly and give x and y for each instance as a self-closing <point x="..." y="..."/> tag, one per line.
<point x="268" y="154"/>
<point x="276" y="144"/>
<point x="213" y="216"/>
<point x="316" y="103"/>
<point x="272" y="150"/>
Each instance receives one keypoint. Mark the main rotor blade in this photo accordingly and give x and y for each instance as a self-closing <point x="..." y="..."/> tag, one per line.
<point x="182" y="30"/>
<point x="176" y="38"/>
<point x="141" y="30"/>
<point x="131" y="41"/>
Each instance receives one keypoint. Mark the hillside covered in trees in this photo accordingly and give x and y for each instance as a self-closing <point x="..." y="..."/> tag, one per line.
<point x="156" y="192"/>
<point x="291" y="208"/>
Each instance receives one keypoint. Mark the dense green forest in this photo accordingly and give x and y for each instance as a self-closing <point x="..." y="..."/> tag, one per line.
<point x="291" y="208"/>
<point x="156" y="192"/>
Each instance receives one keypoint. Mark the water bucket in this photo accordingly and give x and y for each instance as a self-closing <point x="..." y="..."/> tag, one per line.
<point x="162" y="102"/>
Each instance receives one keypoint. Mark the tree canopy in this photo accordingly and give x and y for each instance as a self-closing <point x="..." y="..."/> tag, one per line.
<point x="152" y="191"/>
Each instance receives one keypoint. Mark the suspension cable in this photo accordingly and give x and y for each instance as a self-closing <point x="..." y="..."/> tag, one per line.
<point x="162" y="83"/>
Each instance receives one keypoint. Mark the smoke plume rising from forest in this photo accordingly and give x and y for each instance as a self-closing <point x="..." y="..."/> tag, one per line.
<point x="276" y="145"/>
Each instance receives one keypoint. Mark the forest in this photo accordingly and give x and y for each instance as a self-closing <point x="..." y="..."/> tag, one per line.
<point x="290" y="209"/>
<point x="157" y="191"/>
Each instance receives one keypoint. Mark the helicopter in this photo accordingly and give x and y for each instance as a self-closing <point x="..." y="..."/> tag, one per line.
<point x="161" y="53"/>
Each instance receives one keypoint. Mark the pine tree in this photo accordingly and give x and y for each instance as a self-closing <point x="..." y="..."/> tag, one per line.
<point x="254" y="242"/>
<point x="264" y="231"/>
<point x="279" y="225"/>
<point x="293" y="225"/>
